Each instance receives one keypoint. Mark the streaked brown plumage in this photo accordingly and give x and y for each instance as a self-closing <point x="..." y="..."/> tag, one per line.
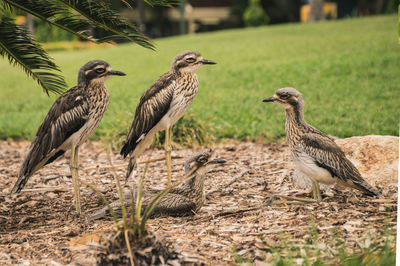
<point x="162" y="105"/>
<point x="71" y="120"/>
<point x="182" y="200"/>
<point x="314" y="153"/>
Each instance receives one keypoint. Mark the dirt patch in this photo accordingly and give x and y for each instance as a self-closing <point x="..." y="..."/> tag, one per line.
<point x="39" y="225"/>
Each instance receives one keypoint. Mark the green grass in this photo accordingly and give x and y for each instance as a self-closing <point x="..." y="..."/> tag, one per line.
<point x="347" y="70"/>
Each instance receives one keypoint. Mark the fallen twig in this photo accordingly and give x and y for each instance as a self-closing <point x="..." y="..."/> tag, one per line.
<point x="47" y="189"/>
<point x="236" y="178"/>
<point x="231" y="213"/>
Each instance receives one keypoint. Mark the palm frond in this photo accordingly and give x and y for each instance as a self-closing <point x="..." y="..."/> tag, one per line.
<point x="5" y="8"/>
<point x="22" y="50"/>
<point x="163" y="2"/>
<point x="55" y="13"/>
<point x="101" y="14"/>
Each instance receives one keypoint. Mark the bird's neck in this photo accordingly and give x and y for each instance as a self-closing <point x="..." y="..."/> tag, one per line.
<point x="296" y="126"/>
<point x="98" y="94"/>
<point x="195" y="184"/>
<point x="185" y="73"/>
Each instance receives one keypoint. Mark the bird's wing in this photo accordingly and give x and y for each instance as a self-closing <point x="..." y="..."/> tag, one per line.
<point x="174" y="205"/>
<point x="328" y="155"/>
<point x="153" y="105"/>
<point x="170" y="205"/>
<point x="66" y="116"/>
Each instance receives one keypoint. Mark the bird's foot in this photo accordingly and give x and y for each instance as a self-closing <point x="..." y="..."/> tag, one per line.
<point x="290" y="200"/>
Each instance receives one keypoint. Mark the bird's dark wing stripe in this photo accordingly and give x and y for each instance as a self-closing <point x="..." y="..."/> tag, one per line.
<point x="55" y="156"/>
<point x="326" y="167"/>
<point x="153" y="105"/>
<point x="67" y="115"/>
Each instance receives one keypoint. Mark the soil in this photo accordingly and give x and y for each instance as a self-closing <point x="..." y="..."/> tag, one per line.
<point x="39" y="225"/>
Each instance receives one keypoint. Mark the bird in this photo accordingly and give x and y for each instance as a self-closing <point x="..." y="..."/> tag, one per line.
<point x="185" y="199"/>
<point x="162" y="105"/>
<point x="315" y="154"/>
<point x="71" y="120"/>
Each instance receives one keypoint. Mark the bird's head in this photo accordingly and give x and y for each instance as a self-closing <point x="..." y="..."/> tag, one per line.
<point x="96" y="71"/>
<point x="200" y="162"/>
<point x="189" y="61"/>
<point x="287" y="98"/>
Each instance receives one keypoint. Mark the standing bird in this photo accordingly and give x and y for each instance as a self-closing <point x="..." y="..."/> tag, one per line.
<point x="314" y="153"/>
<point x="162" y="105"/>
<point x="182" y="200"/>
<point x="71" y="120"/>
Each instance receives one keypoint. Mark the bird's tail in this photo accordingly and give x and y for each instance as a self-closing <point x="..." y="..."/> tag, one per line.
<point x="131" y="166"/>
<point x="128" y="147"/>
<point x="24" y="173"/>
<point x="367" y="189"/>
<point x="22" y="179"/>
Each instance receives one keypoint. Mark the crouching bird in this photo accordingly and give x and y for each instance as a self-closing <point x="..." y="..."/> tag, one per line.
<point x="162" y="105"/>
<point x="315" y="154"/>
<point x="71" y="120"/>
<point x="185" y="199"/>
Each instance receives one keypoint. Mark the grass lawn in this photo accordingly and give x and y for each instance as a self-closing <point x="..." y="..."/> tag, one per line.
<point x="347" y="70"/>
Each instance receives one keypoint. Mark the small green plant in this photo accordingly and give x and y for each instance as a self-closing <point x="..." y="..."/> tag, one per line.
<point x="241" y="259"/>
<point x="254" y="15"/>
<point x="187" y="132"/>
<point x="132" y="226"/>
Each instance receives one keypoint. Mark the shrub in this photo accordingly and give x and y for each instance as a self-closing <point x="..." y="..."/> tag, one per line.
<point x="254" y="15"/>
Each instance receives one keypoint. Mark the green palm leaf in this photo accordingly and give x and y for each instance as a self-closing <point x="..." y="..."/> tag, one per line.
<point x="18" y="46"/>
<point x="75" y="16"/>
<point x="55" y="13"/>
<point x="103" y="16"/>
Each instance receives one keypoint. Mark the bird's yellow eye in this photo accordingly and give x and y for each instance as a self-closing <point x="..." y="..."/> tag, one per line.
<point x="190" y="60"/>
<point x="284" y="96"/>
<point x="203" y="160"/>
<point x="100" y="70"/>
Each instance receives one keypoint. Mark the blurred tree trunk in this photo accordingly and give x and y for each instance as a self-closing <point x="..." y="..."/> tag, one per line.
<point x="370" y="7"/>
<point x="141" y="18"/>
<point x="316" y="10"/>
<point x="30" y="23"/>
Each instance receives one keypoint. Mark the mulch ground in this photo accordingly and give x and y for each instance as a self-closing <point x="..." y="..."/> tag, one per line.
<point x="38" y="226"/>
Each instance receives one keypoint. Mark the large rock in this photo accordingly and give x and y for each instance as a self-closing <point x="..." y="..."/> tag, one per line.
<point x="376" y="157"/>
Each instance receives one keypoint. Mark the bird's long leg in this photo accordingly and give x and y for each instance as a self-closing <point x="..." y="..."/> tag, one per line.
<point x="317" y="192"/>
<point x="314" y="190"/>
<point x="168" y="149"/>
<point x="75" y="178"/>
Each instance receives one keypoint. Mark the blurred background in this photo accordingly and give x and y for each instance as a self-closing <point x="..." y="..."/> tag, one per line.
<point x="210" y="15"/>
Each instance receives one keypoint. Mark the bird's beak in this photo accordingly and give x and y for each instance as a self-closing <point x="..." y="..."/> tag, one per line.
<point x="215" y="161"/>
<point x="207" y="62"/>
<point x="117" y="73"/>
<point x="269" y="100"/>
